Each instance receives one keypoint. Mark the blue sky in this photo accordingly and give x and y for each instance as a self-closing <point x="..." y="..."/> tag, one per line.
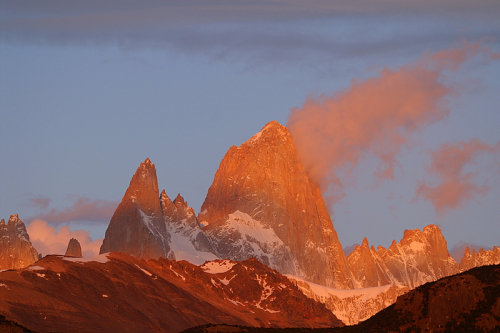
<point x="89" y="89"/>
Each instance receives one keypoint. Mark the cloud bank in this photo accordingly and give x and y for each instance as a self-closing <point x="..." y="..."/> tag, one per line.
<point x="47" y="240"/>
<point x="376" y="117"/>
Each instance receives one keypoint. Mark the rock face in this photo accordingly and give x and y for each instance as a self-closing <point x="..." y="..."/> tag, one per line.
<point x="144" y="222"/>
<point x="115" y="292"/>
<point x="420" y="257"/>
<point x="262" y="204"/>
<point x="481" y="258"/>
<point x="137" y="226"/>
<point x="16" y="250"/>
<point x="466" y="302"/>
<point x="74" y="249"/>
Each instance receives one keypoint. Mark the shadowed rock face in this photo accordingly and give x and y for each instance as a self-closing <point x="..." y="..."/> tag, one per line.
<point x="74" y="249"/>
<point x="16" y="250"/>
<point x="117" y="293"/>
<point x="137" y="226"/>
<point x="262" y="203"/>
<point x="420" y="257"/>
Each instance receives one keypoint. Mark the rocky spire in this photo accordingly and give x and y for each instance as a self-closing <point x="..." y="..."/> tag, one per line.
<point x="262" y="203"/>
<point x="16" y="250"/>
<point x="481" y="258"/>
<point x="420" y="257"/>
<point x="137" y="226"/>
<point x="74" y="249"/>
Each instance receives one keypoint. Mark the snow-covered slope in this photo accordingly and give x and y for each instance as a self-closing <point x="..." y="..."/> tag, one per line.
<point x="353" y="305"/>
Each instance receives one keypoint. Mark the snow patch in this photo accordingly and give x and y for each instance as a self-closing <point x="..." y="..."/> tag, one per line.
<point x="181" y="243"/>
<point x="35" y="268"/>
<point x="102" y="258"/>
<point x="4" y="285"/>
<point x="417" y="246"/>
<point x="364" y="294"/>
<point x="217" y="266"/>
<point x="145" y="271"/>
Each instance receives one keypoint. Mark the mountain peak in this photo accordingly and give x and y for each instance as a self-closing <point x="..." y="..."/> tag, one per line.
<point x="262" y="193"/>
<point x="16" y="250"/>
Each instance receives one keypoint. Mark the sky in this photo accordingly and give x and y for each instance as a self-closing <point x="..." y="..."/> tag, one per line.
<point x="394" y="107"/>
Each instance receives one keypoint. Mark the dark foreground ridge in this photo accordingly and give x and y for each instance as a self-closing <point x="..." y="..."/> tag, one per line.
<point x="466" y="302"/>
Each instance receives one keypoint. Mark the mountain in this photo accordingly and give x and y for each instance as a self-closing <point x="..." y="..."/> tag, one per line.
<point x="74" y="249"/>
<point x="137" y="226"/>
<point x="262" y="204"/>
<point x="481" y="258"/>
<point x="148" y="225"/>
<point x="115" y="292"/>
<point x="420" y="257"/>
<point x="16" y="250"/>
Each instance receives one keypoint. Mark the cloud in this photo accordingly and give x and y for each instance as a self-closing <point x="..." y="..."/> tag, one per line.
<point x="455" y="185"/>
<point x="47" y="240"/>
<point x="252" y="31"/>
<point x="376" y="117"/>
<point x="39" y="201"/>
<point x="84" y="209"/>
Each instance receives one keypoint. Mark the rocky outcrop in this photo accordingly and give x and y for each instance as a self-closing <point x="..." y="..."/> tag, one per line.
<point x="74" y="249"/>
<point x="16" y="250"/>
<point x="137" y="226"/>
<point x="262" y="204"/>
<point x="115" y="292"/>
<point x="481" y="258"/>
<point x="420" y="257"/>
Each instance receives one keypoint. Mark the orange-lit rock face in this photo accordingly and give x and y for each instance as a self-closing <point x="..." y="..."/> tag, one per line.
<point x="74" y="249"/>
<point x="481" y="258"/>
<point x="137" y="226"/>
<point x="16" y="250"/>
<point x="420" y="257"/>
<point x="261" y="203"/>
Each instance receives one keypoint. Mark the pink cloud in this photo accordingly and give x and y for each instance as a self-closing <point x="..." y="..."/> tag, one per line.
<point x="375" y="117"/>
<point x="84" y="209"/>
<point x="455" y="185"/>
<point x="47" y="240"/>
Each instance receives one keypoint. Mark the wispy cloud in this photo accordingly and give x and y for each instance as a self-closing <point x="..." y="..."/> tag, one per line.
<point x="39" y="201"/>
<point x="376" y="117"/>
<point x="47" y="240"/>
<point x="455" y="185"/>
<point x="83" y="209"/>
